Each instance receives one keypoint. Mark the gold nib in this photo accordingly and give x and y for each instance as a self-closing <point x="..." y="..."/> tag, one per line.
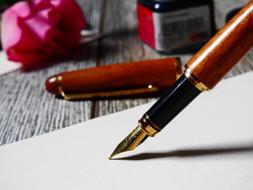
<point x="136" y="137"/>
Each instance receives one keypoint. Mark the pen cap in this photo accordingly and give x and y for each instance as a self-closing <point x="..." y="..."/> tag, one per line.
<point x="224" y="50"/>
<point x="160" y="73"/>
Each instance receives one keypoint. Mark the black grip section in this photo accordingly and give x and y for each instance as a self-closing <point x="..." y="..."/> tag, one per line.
<point x="172" y="102"/>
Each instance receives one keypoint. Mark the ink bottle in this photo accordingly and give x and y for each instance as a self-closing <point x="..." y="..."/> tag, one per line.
<point x="175" y="26"/>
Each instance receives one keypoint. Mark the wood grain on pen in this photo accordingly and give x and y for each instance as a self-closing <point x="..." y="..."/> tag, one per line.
<point x="160" y="73"/>
<point x="225" y="49"/>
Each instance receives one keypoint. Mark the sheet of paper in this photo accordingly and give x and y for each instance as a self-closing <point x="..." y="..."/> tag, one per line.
<point x="208" y="146"/>
<point x="7" y="66"/>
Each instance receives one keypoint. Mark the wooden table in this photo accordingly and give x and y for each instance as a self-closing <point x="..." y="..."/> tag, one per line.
<point x="27" y="110"/>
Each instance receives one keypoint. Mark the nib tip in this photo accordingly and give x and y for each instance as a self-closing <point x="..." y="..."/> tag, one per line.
<point x="136" y="137"/>
<point x="112" y="156"/>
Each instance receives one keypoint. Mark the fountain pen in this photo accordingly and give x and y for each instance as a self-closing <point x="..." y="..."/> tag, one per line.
<point x="203" y="71"/>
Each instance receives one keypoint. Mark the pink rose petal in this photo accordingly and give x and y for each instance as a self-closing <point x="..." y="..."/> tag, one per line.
<point x="34" y="30"/>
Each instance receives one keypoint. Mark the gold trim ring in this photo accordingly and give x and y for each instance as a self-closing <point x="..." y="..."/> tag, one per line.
<point x="178" y="65"/>
<point x="148" y="127"/>
<point x="199" y="85"/>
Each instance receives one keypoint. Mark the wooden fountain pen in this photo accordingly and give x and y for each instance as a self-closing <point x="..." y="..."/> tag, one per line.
<point x="203" y="71"/>
<point x="132" y="79"/>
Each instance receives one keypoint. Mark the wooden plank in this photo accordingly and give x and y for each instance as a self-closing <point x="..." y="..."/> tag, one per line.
<point x="28" y="110"/>
<point x="121" y="45"/>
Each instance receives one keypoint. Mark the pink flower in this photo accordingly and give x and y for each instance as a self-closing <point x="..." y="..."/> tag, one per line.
<point x="34" y="30"/>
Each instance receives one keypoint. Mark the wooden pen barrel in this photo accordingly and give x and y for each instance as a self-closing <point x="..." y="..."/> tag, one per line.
<point x="224" y="50"/>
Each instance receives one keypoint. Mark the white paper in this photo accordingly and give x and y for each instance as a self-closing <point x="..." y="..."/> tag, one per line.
<point x="7" y="66"/>
<point x="208" y="146"/>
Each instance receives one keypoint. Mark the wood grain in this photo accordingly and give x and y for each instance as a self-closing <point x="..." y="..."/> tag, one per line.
<point x="160" y="73"/>
<point x="122" y="45"/>
<point x="225" y="49"/>
<point x="27" y="110"/>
